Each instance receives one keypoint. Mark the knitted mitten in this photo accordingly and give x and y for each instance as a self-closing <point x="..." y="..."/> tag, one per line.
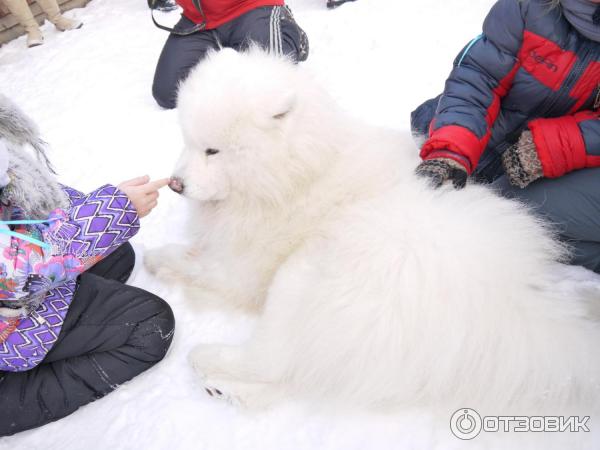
<point x="440" y="170"/>
<point x="521" y="162"/>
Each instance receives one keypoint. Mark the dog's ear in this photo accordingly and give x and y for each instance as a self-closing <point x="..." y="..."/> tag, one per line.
<point x="285" y="106"/>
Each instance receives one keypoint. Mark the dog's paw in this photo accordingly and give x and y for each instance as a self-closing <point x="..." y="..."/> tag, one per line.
<point x="162" y="263"/>
<point x="208" y="363"/>
<point x="220" y="390"/>
<point x="241" y="394"/>
<point x="153" y="260"/>
<point x="221" y="375"/>
<point x="209" y="359"/>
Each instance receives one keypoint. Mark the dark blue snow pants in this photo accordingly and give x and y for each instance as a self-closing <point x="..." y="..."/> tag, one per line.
<point x="572" y="204"/>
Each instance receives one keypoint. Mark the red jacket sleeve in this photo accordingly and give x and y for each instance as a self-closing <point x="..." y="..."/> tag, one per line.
<point x="567" y="143"/>
<point x="481" y="77"/>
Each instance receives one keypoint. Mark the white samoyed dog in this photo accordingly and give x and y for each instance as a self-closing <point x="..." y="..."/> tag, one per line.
<point x="373" y="289"/>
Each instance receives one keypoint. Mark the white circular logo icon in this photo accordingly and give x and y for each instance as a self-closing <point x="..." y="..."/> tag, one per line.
<point x="465" y="424"/>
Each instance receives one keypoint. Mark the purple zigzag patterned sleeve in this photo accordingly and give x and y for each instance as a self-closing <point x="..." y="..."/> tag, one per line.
<point x="97" y="224"/>
<point x="75" y="197"/>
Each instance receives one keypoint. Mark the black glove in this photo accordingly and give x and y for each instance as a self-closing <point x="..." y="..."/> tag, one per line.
<point x="440" y="170"/>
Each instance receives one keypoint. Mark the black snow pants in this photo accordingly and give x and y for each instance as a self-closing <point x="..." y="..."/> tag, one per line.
<point x="112" y="333"/>
<point x="271" y="27"/>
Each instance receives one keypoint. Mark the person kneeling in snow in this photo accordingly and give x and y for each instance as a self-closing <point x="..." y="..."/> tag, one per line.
<point x="521" y="110"/>
<point x="213" y="24"/>
<point x="70" y="330"/>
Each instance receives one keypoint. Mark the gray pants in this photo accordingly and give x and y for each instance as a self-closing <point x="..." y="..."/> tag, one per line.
<point x="271" y="27"/>
<point x="572" y="204"/>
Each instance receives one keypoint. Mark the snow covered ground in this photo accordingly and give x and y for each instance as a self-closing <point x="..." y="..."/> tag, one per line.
<point x="89" y="91"/>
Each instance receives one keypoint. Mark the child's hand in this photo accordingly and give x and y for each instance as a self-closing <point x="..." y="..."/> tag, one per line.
<point x="143" y="193"/>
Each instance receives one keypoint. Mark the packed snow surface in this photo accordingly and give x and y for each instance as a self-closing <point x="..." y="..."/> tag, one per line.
<point x="89" y="91"/>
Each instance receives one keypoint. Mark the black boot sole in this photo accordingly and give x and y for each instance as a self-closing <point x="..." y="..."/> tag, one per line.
<point x="335" y="3"/>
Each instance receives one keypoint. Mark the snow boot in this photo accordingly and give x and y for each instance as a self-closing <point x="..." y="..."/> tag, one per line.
<point x="22" y="13"/>
<point x="50" y="7"/>
<point x="335" y="3"/>
<point x="162" y="5"/>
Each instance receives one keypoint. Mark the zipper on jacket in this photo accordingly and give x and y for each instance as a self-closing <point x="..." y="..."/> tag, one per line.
<point x="597" y="99"/>
<point x="550" y="102"/>
<point x="572" y="78"/>
<point x="198" y="7"/>
<point x="39" y="318"/>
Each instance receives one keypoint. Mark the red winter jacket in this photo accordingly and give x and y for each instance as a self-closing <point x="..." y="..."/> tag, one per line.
<point x="218" y="12"/>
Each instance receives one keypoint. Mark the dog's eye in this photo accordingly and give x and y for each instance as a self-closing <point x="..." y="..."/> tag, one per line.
<point x="211" y="151"/>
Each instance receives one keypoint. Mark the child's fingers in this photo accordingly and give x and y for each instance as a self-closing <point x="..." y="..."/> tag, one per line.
<point x="148" y="207"/>
<point x="156" y="184"/>
<point x="149" y="203"/>
<point x="137" y="181"/>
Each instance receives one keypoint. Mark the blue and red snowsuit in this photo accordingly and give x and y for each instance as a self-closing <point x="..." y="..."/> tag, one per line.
<point x="530" y="69"/>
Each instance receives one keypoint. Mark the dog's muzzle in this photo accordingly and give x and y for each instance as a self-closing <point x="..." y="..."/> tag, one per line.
<point x="176" y="185"/>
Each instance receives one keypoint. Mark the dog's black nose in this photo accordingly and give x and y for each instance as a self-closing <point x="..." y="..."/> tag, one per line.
<point x="176" y="184"/>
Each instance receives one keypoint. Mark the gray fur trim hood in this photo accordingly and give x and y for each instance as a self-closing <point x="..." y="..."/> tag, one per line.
<point x="32" y="186"/>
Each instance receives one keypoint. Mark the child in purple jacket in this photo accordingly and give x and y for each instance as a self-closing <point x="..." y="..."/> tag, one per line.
<point x="70" y="330"/>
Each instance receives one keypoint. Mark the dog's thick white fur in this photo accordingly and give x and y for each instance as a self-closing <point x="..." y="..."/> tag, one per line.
<point x="374" y="289"/>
